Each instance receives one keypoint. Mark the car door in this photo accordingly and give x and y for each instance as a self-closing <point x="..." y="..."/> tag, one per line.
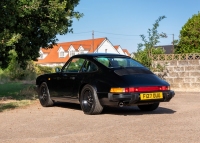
<point x="53" y="84"/>
<point x="85" y="75"/>
<point x="66" y="78"/>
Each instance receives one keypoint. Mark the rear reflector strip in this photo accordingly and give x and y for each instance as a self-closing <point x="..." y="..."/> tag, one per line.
<point x="140" y="89"/>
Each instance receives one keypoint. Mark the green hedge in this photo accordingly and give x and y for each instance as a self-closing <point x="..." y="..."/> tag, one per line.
<point x="14" y="72"/>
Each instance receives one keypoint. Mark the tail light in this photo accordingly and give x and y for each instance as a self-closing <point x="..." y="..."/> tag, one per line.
<point x="139" y="89"/>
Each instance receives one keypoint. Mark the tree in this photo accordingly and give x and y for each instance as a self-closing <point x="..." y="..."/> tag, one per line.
<point x="190" y="36"/>
<point x="144" y="55"/>
<point x="27" y="25"/>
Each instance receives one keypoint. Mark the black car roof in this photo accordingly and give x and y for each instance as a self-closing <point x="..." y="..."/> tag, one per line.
<point x="99" y="54"/>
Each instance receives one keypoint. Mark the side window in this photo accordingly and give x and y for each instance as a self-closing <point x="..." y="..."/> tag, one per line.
<point x="89" y="67"/>
<point x="122" y="62"/>
<point x="103" y="60"/>
<point x="75" y="65"/>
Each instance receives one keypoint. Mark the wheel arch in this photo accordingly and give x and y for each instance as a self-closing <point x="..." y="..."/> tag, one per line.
<point x="40" y="81"/>
<point x="81" y="87"/>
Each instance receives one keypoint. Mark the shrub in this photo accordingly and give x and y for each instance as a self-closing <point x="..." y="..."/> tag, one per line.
<point x="28" y="93"/>
<point x="43" y="69"/>
<point x="15" y="72"/>
<point x="3" y="76"/>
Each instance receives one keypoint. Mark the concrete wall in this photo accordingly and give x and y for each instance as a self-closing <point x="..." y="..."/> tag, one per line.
<point x="183" y="75"/>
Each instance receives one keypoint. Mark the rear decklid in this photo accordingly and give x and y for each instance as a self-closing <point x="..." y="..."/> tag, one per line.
<point x="140" y="76"/>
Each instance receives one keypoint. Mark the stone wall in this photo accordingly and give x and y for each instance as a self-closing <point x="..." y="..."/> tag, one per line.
<point x="183" y="75"/>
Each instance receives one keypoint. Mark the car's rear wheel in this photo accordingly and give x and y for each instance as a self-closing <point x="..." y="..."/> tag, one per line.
<point x="44" y="96"/>
<point x="148" y="107"/>
<point x="89" y="101"/>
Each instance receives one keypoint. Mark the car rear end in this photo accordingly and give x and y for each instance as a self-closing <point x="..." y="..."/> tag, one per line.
<point x="140" y="95"/>
<point x="131" y="83"/>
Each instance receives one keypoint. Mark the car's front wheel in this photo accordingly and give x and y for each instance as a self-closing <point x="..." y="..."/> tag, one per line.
<point x="148" y="107"/>
<point x="44" y="96"/>
<point x="89" y="101"/>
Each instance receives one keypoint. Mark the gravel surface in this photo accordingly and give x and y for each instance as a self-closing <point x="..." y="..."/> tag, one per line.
<point x="177" y="121"/>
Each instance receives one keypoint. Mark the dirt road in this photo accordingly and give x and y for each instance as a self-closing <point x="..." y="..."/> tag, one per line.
<point x="177" y="121"/>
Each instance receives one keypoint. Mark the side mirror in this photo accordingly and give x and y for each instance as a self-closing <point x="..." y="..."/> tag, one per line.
<point x="57" y="70"/>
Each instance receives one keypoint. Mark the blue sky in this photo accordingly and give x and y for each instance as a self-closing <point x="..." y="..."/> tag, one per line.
<point x="123" y="21"/>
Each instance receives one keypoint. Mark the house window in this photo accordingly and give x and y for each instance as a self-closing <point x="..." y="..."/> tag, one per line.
<point x="81" y="51"/>
<point x="105" y="50"/>
<point x="41" y="56"/>
<point x="71" y="53"/>
<point x="61" y="54"/>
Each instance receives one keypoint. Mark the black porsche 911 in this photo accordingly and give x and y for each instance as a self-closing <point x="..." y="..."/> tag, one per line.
<point x="98" y="80"/>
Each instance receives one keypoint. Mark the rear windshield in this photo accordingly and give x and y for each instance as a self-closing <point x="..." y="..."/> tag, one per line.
<point x="115" y="62"/>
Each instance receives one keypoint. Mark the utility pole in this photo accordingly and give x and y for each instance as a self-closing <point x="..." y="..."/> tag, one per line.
<point x="93" y="41"/>
<point x="173" y="43"/>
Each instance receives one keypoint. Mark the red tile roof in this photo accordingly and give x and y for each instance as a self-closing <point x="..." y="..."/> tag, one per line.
<point x="53" y="56"/>
<point x="116" y="47"/>
<point x="125" y="50"/>
<point x="89" y="45"/>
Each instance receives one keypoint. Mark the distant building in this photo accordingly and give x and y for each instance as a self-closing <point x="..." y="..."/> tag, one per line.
<point x="133" y="55"/>
<point x="122" y="51"/>
<point x="126" y="52"/>
<point x="60" y="53"/>
<point x="168" y="49"/>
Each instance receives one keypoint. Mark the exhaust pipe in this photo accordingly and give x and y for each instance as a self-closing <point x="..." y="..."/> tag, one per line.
<point x="121" y="104"/>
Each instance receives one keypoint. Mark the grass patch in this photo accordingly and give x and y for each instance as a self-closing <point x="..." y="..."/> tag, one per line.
<point x="21" y="93"/>
<point x="17" y="91"/>
<point x="13" y="105"/>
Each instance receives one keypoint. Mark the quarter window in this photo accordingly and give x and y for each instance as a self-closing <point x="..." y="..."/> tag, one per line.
<point x="103" y="60"/>
<point x="89" y="67"/>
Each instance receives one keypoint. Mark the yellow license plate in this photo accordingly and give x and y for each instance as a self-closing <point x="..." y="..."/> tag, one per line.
<point x="155" y="95"/>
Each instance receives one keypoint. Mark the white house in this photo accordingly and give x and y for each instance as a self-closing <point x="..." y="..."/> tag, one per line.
<point x="61" y="52"/>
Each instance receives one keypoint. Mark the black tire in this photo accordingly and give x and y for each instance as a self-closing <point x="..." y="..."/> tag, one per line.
<point x="89" y="101"/>
<point x="149" y="107"/>
<point x="44" y="96"/>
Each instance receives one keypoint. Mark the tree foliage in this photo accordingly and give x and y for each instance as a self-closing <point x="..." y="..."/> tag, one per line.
<point x="144" y="55"/>
<point x="190" y="36"/>
<point x="27" y="25"/>
<point x="15" y="72"/>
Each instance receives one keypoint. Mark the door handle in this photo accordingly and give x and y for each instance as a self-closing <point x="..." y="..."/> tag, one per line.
<point x="72" y="77"/>
<point x="58" y="78"/>
<point x="64" y="74"/>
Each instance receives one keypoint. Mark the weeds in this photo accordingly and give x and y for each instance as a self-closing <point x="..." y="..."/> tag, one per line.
<point x="13" y="105"/>
<point x="16" y="94"/>
<point x="28" y="93"/>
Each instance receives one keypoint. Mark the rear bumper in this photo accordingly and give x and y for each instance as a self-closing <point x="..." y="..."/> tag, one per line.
<point x="134" y="98"/>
